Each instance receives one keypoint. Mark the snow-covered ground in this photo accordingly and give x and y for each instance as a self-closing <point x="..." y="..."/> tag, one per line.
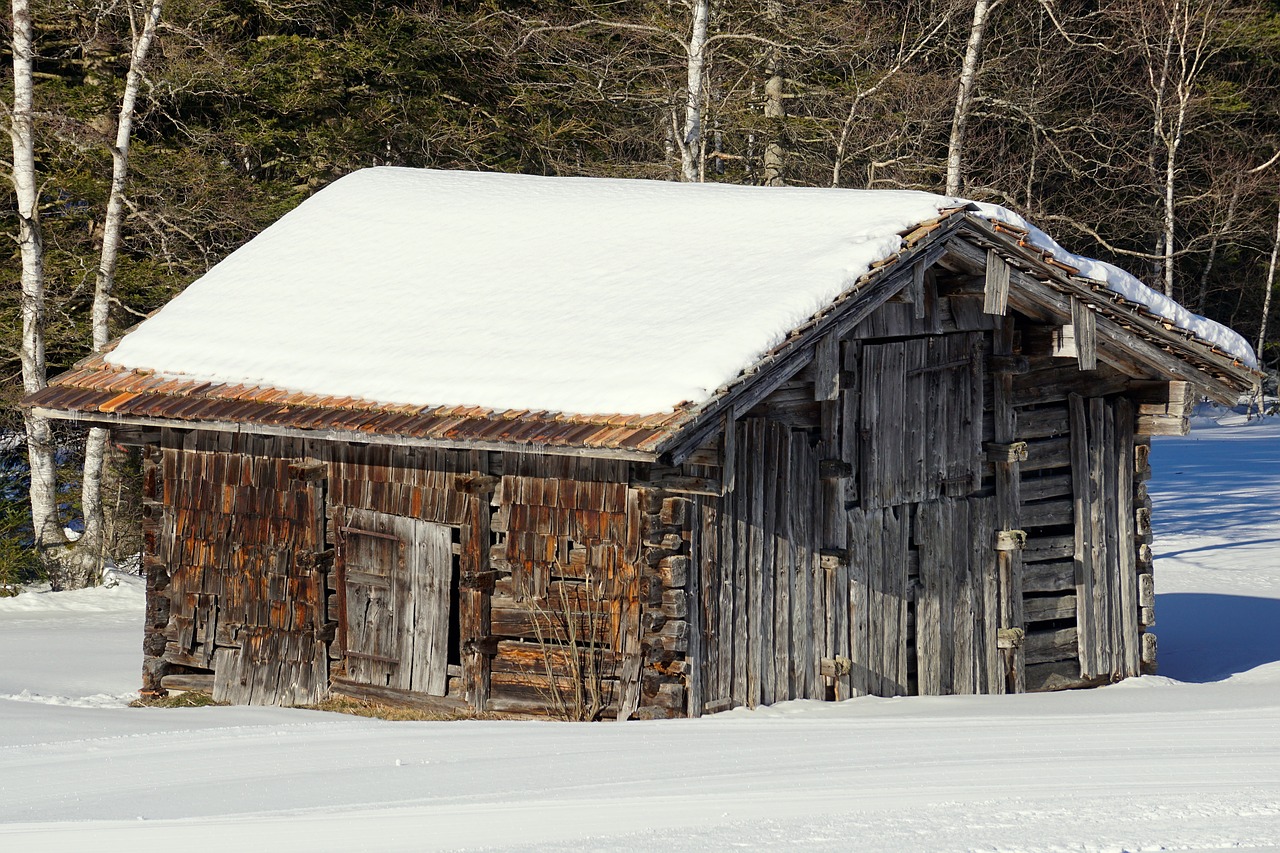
<point x="1188" y="760"/>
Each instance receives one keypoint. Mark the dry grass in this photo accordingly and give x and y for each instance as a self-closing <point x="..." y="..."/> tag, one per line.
<point x="338" y="704"/>
<point x="185" y="699"/>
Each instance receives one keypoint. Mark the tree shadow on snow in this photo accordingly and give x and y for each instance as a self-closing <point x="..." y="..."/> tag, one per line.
<point x="1215" y="547"/>
<point x="1204" y="637"/>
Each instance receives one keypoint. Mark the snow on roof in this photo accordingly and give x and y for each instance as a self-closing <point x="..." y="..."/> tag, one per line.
<point x="580" y="295"/>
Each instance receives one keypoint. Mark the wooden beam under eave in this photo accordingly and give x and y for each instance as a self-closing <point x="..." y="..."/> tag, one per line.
<point x="826" y="368"/>
<point x="113" y="421"/>
<point x="1164" y="424"/>
<point x="1119" y="345"/>
<point x="996" y="287"/>
<point x="1176" y="340"/>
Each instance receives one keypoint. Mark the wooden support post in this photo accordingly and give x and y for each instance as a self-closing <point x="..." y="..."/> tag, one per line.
<point x="474" y="596"/>
<point x="915" y="290"/>
<point x="1085" y="324"/>
<point x="996" y="293"/>
<point x="1008" y="561"/>
<point x="826" y="368"/>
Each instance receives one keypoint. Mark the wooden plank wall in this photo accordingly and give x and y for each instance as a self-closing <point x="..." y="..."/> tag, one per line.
<point x="882" y="646"/>
<point x="957" y="607"/>
<point x="1106" y="572"/>
<point x="761" y="591"/>
<point x="920" y="419"/>
<point x="1058" y="653"/>
<point x="421" y="484"/>
<point x="542" y="543"/>
<point x="915" y="568"/>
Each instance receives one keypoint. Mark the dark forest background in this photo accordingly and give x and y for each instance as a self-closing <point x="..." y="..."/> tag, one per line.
<point x="248" y="106"/>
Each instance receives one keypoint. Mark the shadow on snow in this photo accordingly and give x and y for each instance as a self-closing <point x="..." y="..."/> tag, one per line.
<point x="1205" y="637"/>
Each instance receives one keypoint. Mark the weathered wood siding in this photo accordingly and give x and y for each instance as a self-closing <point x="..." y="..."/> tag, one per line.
<point x="232" y="551"/>
<point x="858" y="547"/>
<point x="761" y="591"/>
<point x="935" y="502"/>
<point x="566" y="605"/>
<point x="510" y="583"/>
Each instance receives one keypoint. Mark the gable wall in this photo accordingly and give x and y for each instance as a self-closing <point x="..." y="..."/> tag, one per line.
<point x="844" y="558"/>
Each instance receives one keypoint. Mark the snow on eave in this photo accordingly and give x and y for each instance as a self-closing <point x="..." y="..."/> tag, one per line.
<point x="1124" y="284"/>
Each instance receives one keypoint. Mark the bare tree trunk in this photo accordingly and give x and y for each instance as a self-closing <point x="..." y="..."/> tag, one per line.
<point x="1218" y="234"/>
<point x="775" y="108"/>
<point x="1173" y="143"/>
<point x="691" y="138"/>
<point x="964" y="96"/>
<point x="91" y="548"/>
<point x="1271" y="280"/>
<point x="46" y="526"/>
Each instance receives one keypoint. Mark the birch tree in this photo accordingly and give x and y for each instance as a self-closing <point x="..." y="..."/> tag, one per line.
<point x="1270" y="288"/>
<point x="1179" y="40"/>
<point x="964" y="94"/>
<point x="90" y="551"/>
<point x="690" y="139"/>
<point x="46" y="527"/>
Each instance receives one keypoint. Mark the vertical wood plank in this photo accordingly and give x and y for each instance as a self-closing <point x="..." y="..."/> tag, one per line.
<point x="1097" y="520"/>
<point x="929" y="599"/>
<point x="627" y="590"/>
<point x="1085" y="325"/>
<point x="858" y="603"/>
<point x="826" y="368"/>
<point x="698" y="653"/>
<point x="898" y="525"/>
<point x="1008" y="508"/>
<point x="742" y="579"/>
<point x="727" y="582"/>
<point x="915" y="290"/>
<point x="783" y="570"/>
<point x="1126" y="554"/>
<point x="1083" y="497"/>
<point x="803" y="627"/>
<point x="474" y="611"/>
<point x="964" y="659"/>
<point x="991" y="674"/>
<point x="763" y="488"/>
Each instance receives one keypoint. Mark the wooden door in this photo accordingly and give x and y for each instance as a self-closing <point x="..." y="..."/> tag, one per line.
<point x="957" y="613"/>
<point x="1105" y="550"/>
<point x="396" y="576"/>
<point x="920" y="419"/>
<point x="919" y="465"/>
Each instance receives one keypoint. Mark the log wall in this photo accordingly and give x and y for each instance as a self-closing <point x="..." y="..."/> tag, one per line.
<point x="569" y="583"/>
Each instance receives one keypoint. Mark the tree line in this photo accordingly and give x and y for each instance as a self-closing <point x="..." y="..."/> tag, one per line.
<point x="159" y="136"/>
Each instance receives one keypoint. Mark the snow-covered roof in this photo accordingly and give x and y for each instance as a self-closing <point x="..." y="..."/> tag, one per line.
<point x="578" y="295"/>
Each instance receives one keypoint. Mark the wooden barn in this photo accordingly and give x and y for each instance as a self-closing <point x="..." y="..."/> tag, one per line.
<point x="923" y="475"/>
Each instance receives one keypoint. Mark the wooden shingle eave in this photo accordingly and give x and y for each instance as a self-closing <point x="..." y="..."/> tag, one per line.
<point x="1140" y="334"/>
